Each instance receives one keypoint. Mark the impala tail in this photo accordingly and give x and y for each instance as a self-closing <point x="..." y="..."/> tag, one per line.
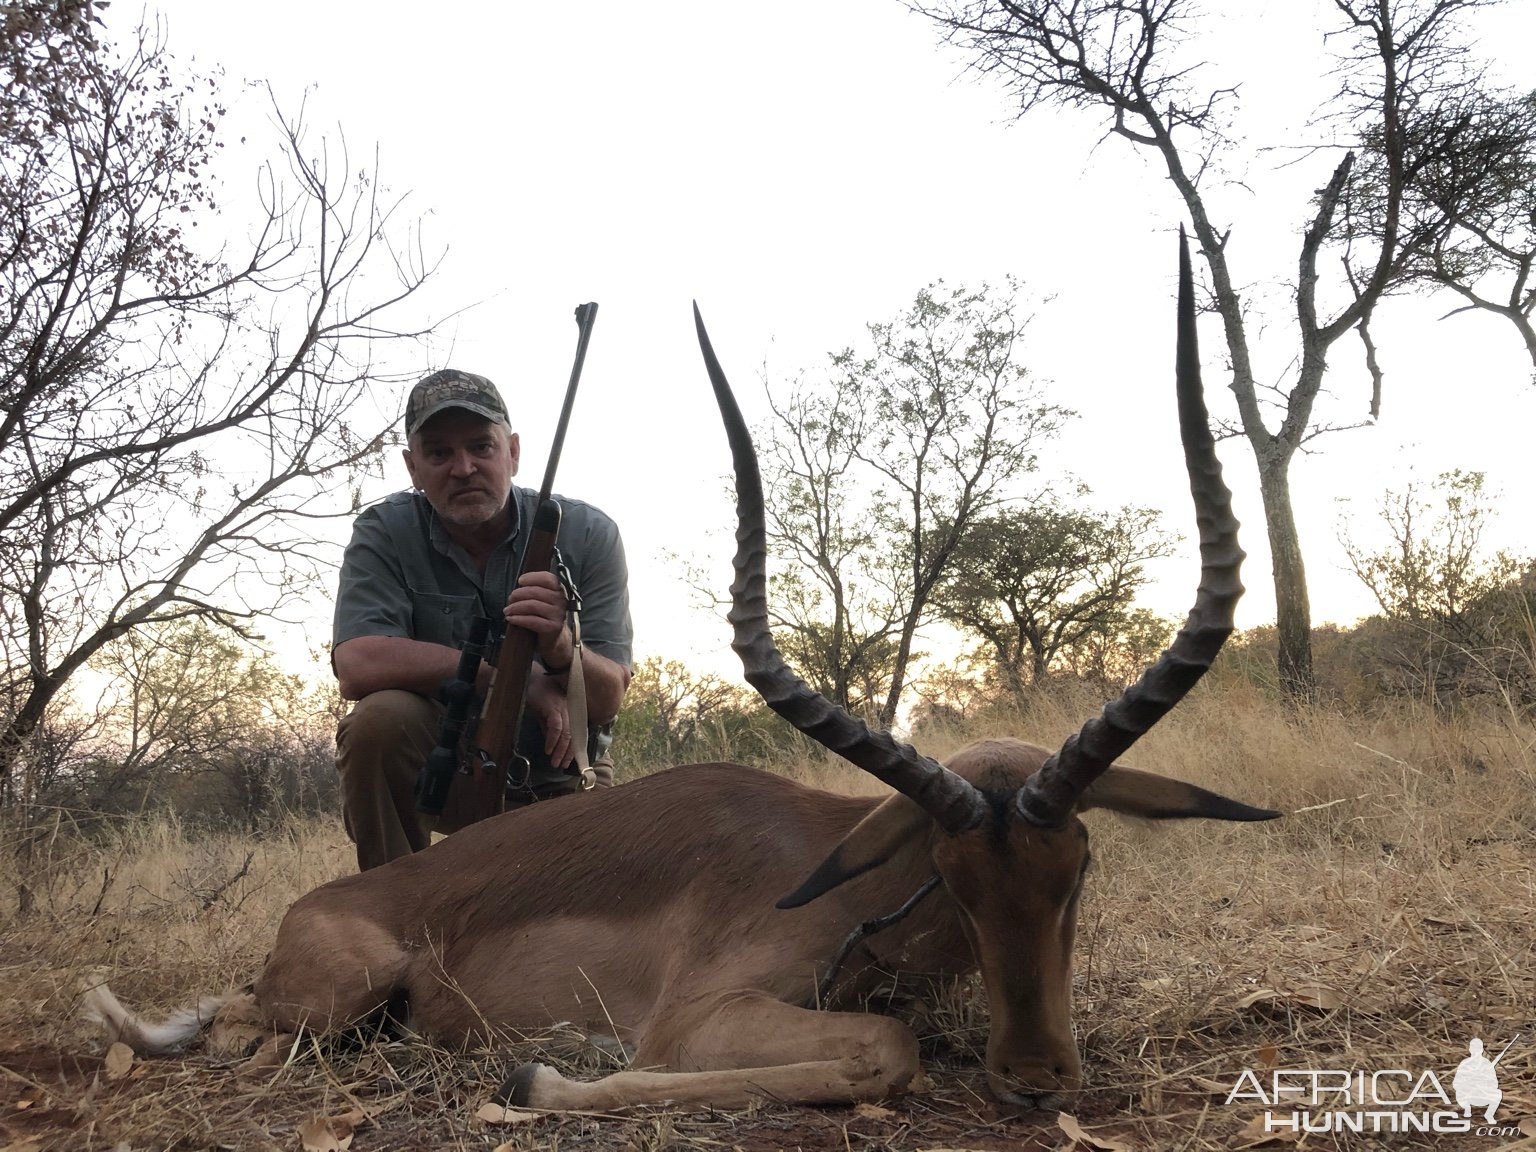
<point x="123" y="1025"/>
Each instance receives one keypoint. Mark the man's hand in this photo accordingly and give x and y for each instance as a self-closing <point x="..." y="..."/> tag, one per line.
<point x="546" y="703"/>
<point x="538" y="604"/>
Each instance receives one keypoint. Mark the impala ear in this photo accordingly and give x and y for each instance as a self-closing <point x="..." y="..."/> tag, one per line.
<point x="1135" y="793"/>
<point x="873" y="840"/>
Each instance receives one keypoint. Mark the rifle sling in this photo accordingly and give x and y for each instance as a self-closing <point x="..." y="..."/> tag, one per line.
<point x="576" y="708"/>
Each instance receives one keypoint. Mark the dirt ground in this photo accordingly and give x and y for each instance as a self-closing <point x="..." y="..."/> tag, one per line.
<point x="53" y="1101"/>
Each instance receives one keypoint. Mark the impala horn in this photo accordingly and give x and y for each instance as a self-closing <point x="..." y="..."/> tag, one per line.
<point x="951" y="800"/>
<point x="1048" y="797"/>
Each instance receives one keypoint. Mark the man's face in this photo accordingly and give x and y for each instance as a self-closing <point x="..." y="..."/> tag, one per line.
<point x="464" y="464"/>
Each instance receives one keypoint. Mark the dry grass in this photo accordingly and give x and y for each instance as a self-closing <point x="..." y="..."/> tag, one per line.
<point x="1385" y="922"/>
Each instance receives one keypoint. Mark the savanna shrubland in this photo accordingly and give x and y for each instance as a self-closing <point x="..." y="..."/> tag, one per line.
<point x="1400" y="779"/>
<point x="1379" y="923"/>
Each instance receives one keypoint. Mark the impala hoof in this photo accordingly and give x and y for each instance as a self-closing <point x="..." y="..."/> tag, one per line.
<point x="518" y="1089"/>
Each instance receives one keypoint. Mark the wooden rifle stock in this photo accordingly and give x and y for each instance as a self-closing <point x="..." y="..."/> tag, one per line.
<point x="495" y="745"/>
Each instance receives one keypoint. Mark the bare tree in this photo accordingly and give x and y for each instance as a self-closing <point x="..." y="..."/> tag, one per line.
<point x="1112" y="657"/>
<point x="877" y="473"/>
<point x="185" y="699"/>
<point x="1400" y="63"/>
<point x="1034" y="583"/>
<point x="825" y="617"/>
<point x="1469" y="216"/>
<point x="174" y="419"/>
<point x="1456" y="621"/>
<point x="1435" y="569"/>
<point x="674" y="716"/>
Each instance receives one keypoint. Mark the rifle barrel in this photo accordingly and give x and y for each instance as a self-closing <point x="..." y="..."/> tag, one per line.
<point x="1505" y="1049"/>
<point x="585" y="315"/>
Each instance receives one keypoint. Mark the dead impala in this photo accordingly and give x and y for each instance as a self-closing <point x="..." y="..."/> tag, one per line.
<point x="700" y="915"/>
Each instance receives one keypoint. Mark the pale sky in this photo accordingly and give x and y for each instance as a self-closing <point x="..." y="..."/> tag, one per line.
<point x="804" y="167"/>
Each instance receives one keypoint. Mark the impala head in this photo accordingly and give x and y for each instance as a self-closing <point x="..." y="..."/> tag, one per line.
<point x="1001" y="819"/>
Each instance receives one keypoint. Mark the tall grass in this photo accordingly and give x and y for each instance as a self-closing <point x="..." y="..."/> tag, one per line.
<point x="1382" y="923"/>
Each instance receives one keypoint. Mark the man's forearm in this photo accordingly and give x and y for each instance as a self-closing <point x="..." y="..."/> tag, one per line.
<point x="369" y="664"/>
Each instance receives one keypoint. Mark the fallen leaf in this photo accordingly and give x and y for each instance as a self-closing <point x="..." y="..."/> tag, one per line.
<point x="118" y="1061"/>
<point x="1318" y="996"/>
<point x="1068" y="1124"/>
<point x="1268" y="1055"/>
<point x="1528" y="1125"/>
<point x="496" y="1114"/>
<point x="1436" y="924"/>
<point x="874" y="1112"/>
<point x="326" y="1134"/>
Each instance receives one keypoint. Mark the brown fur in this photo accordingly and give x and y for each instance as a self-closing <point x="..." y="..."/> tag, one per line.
<point x="648" y="912"/>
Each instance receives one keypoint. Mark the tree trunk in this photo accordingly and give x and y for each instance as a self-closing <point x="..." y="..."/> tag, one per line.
<point x="1015" y="674"/>
<point x="19" y="730"/>
<point x="1293" y="610"/>
<point x="1527" y="333"/>
<point x="887" y="715"/>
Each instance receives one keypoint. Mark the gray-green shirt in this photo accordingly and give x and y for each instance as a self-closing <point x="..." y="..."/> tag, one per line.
<point x="402" y="575"/>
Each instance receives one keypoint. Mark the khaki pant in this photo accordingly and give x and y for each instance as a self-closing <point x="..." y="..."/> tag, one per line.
<point x="381" y="746"/>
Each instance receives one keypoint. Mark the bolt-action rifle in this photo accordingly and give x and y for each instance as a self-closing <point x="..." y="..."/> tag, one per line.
<point x="476" y="786"/>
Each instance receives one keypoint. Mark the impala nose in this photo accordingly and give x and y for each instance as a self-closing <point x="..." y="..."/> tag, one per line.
<point x="1029" y="1102"/>
<point x="1032" y="1085"/>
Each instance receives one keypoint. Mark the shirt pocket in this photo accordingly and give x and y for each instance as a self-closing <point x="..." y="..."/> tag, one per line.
<point x="440" y="619"/>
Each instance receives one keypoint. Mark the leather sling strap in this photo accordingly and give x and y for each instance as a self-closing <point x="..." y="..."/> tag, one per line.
<point x="576" y="708"/>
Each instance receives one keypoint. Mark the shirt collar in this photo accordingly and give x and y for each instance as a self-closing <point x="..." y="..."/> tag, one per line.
<point x="447" y="545"/>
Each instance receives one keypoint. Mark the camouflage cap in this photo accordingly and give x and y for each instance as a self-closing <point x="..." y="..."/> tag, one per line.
<point x="451" y="388"/>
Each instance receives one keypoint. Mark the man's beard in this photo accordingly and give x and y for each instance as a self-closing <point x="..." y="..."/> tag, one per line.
<point x="473" y="513"/>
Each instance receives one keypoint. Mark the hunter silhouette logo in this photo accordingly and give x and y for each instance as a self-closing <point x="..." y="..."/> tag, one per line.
<point x="1476" y="1082"/>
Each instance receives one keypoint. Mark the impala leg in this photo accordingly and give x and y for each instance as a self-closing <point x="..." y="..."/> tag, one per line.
<point x="737" y="1049"/>
<point x="330" y="968"/>
<point x="238" y="1028"/>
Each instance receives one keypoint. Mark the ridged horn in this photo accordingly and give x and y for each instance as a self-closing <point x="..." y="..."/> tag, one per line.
<point x="1048" y="797"/>
<point x="948" y="798"/>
